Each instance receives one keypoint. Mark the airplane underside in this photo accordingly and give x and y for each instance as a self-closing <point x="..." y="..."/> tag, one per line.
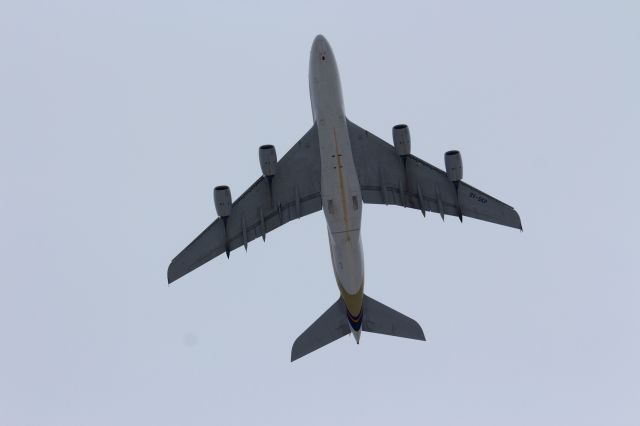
<point x="338" y="167"/>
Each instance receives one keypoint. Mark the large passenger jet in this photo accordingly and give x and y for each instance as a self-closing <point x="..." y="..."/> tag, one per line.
<point x="337" y="167"/>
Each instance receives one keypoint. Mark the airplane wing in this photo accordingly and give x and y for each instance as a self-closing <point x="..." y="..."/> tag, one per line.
<point x="295" y="192"/>
<point x="383" y="180"/>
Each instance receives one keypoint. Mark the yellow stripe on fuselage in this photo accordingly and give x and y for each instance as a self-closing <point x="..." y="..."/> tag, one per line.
<point x="353" y="302"/>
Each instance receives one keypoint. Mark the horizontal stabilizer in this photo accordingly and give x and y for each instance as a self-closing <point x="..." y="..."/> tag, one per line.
<point x="331" y="326"/>
<point x="379" y="318"/>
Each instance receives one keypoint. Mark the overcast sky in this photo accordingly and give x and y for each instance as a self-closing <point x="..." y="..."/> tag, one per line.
<point x="117" y="119"/>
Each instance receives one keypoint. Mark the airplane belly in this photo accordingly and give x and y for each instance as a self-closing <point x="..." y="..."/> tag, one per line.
<point x="342" y="207"/>
<point x="340" y="188"/>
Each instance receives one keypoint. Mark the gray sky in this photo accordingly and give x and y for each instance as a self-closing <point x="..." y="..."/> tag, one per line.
<point x="117" y="119"/>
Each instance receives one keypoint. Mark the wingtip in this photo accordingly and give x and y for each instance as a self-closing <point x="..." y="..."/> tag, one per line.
<point x="422" y="336"/>
<point x="169" y="277"/>
<point x="172" y="275"/>
<point x="519" y="221"/>
<point x="295" y="354"/>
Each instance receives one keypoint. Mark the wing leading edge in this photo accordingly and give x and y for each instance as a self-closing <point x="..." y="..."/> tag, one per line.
<point x="294" y="192"/>
<point x="386" y="179"/>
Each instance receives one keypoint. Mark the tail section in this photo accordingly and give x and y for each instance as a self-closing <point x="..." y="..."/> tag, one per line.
<point x="335" y="323"/>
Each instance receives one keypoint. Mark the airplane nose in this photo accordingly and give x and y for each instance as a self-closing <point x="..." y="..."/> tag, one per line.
<point x="320" y="43"/>
<point x="321" y="46"/>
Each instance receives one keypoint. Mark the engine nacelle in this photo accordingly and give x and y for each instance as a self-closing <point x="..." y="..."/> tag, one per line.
<point x="222" y="200"/>
<point x="268" y="160"/>
<point x="402" y="139"/>
<point x="453" y="164"/>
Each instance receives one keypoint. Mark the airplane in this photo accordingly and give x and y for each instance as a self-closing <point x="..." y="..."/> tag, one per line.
<point x="337" y="167"/>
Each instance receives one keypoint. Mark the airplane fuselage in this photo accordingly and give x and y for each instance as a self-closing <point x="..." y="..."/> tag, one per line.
<point x="341" y="196"/>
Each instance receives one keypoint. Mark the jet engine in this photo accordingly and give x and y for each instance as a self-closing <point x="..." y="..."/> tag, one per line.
<point x="453" y="164"/>
<point x="268" y="160"/>
<point x="402" y="139"/>
<point x="222" y="200"/>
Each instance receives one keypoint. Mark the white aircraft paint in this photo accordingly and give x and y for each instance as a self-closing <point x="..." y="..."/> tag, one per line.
<point x="341" y="197"/>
